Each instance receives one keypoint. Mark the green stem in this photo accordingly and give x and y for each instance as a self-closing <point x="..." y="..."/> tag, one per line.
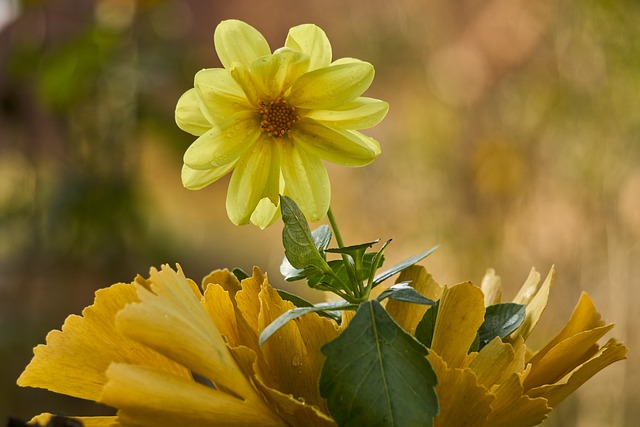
<point x="334" y="227"/>
<point x="356" y="287"/>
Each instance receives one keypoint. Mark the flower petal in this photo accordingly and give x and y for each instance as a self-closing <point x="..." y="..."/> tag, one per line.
<point x="347" y="148"/>
<point x="265" y="213"/>
<point x="172" y="321"/>
<point x="460" y="314"/>
<point x="406" y="314"/>
<point x="74" y="360"/>
<point x="611" y="352"/>
<point x="463" y="402"/>
<point x="332" y="86"/>
<point x="307" y="180"/>
<point x="252" y="180"/>
<point x="237" y="41"/>
<point x="188" y="115"/>
<point x="313" y="41"/>
<point x="219" y="95"/>
<point x="195" y="179"/>
<point x="224" y="143"/>
<point x="148" y="397"/>
<point x="276" y="73"/>
<point x="361" y="113"/>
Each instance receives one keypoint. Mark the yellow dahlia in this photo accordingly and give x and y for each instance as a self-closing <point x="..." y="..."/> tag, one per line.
<point x="163" y="353"/>
<point x="273" y="117"/>
<point x="505" y="384"/>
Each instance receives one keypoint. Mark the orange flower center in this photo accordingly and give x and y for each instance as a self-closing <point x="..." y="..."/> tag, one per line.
<point x="277" y="117"/>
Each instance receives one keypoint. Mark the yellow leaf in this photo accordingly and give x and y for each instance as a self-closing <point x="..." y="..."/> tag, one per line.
<point x="534" y="307"/>
<point x="463" y="402"/>
<point x="74" y="360"/>
<point x="408" y="315"/>
<point x="460" y="314"/>
<point x="611" y="352"/>
<point x="513" y="409"/>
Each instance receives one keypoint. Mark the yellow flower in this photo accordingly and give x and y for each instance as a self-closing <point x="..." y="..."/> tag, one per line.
<point x="505" y="384"/>
<point x="273" y="117"/>
<point x="165" y="354"/>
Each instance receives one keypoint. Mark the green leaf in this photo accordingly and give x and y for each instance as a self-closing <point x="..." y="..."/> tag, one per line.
<point x="376" y="374"/>
<point x="401" y="266"/>
<point x="403" y="292"/>
<point x="299" y="245"/>
<point x="294" y="313"/>
<point x="240" y="274"/>
<point x="295" y="299"/>
<point x="426" y="326"/>
<point x="321" y="238"/>
<point x="500" y="320"/>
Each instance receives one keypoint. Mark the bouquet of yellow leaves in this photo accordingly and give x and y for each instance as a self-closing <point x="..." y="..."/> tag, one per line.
<point x="234" y="351"/>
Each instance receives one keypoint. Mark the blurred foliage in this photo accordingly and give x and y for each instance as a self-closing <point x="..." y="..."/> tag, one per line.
<point x="512" y="140"/>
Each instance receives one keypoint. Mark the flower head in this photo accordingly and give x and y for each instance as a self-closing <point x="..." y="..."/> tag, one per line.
<point x="273" y="117"/>
<point x="163" y="353"/>
<point x="505" y="384"/>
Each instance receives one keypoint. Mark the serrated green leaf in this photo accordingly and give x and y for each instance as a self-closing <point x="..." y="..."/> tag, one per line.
<point x="301" y="311"/>
<point x="299" y="245"/>
<point x="376" y="374"/>
<point x="403" y="292"/>
<point x="427" y="325"/>
<point x="401" y="266"/>
<point x="500" y="320"/>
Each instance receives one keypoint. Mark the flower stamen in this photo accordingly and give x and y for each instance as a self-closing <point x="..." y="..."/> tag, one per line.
<point x="277" y="117"/>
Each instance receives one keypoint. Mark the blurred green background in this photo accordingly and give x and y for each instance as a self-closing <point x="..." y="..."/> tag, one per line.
<point x="513" y="140"/>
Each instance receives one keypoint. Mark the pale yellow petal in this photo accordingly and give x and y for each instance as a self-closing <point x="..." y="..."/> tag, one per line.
<point x="313" y="41"/>
<point x="406" y="314"/>
<point x="265" y="213"/>
<point x="306" y="179"/>
<point x="188" y="115"/>
<point x="224" y="143"/>
<point x="276" y="73"/>
<point x="172" y="321"/>
<point x="329" y="87"/>
<point x="565" y="357"/>
<point x="148" y="397"/>
<point x="251" y="85"/>
<point x="347" y="148"/>
<point x="195" y="179"/>
<point x="584" y="317"/>
<point x="611" y="352"/>
<point x="491" y="287"/>
<point x="512" y="408"/>
<point x="74" y="360"/>
<point x="256" y="175"/>
<point x="534" y="306"/>
<point x="237" y="41"/>
<point x="361" y="113"/>
<point x="220" y="96"/>
<point x="463" y="402"/>
<point x="460" y="314"/>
